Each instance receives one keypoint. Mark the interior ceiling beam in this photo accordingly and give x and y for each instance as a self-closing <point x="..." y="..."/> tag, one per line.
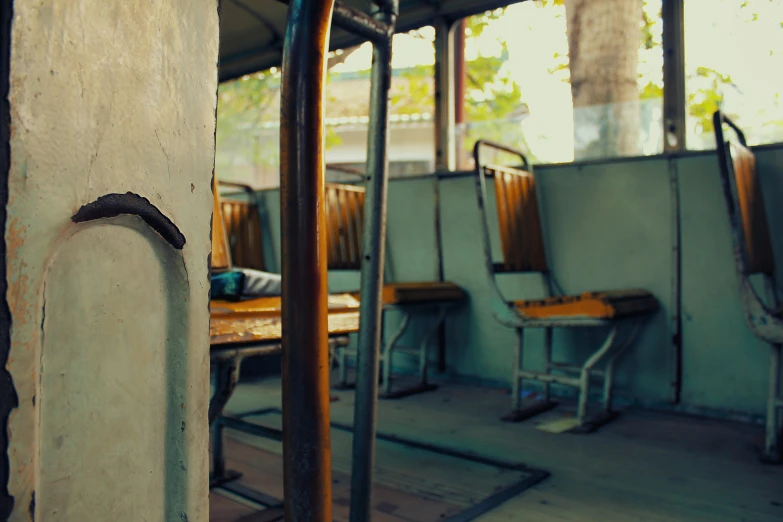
<point x="414" y="14"/>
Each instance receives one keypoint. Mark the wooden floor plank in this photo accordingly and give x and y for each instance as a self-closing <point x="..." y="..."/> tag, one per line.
<point x="222" y="509"/>
<point x="644" y="466"/>
<point x="262" y="470"/>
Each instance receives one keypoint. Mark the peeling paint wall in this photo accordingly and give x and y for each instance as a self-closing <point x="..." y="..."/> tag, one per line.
<point x="109" y="344"/>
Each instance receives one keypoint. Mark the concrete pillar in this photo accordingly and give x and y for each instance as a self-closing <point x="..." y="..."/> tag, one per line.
<point x="107" y="166"/>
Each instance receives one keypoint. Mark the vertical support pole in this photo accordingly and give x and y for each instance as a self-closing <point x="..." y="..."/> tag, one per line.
<point x="444" y="96"/>
<point x="673" y="76"/>
<point x="373" y="254"/>
<point x="772" y="450"/>
<point x="771" y="443"/>
<point x="445" y="150"/>
<point x="548" y="363"/>
<point x="460" y="75"/>
<point x="673" y="141"/>
<point x="306" y="448"/>
<point x="675" y="317"/>
<point x="516" y="382"/>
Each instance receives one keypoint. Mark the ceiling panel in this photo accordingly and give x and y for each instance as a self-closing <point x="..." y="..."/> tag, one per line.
<point x="251" y="31"/>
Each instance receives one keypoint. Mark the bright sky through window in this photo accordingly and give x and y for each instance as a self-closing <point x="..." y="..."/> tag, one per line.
<point x="741" y="40"/>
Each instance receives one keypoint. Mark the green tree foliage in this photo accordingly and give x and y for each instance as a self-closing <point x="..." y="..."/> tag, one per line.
<point x="711" y="84"/>
<point x="703" y="102"/>
<point x="490" y="93"/>
<point x="493" y="100"/>
<point x="412" y="90"/>
<point x="243" y="105"/>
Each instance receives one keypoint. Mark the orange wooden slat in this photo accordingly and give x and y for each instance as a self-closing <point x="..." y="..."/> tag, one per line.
<point x="539" y="260"/>
<point x="342" y="248"/>
<point x="345" y="227"/>
<point x="758" y="245"/>
<point x="520" y="192"/>
<point x="327" y="224"/>
<point x="503" y="219"/>
<point x="333" y="229"/>
<point x="350" y="226"/>
<point x="514" y="206"/>
<point x="353" y="231"/>
<point x="254" y="232"/>
<point x="361" y="196"/>
<point x="241" y="216"/>
<point x="519" y="220"/>
<point x="220" y="253"/>
<point x="532" y="223"/>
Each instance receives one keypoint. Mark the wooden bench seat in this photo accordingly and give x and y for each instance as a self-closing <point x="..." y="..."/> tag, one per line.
<point x="412" y="293"/>
<point x="228" y="329"/>
<point x="594" y="305"/>
<point x="271" y="306"/>
<point x="258" y="320"/>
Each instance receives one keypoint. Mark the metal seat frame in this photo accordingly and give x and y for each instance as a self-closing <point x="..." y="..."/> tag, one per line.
<point x="506" y="313"/>
<point x="761" y="316"/>
<point x="388" y="348"/>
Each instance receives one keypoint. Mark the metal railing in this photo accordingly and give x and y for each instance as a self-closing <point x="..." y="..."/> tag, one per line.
<point x="306" y="450"/>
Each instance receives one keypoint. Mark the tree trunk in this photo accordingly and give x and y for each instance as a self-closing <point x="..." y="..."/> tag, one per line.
<point x="603" y="49"/>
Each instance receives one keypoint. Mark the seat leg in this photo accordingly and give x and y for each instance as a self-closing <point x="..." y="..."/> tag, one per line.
<point x="226" y="376"/>
<point x="608" y="381"/>
<point x="422" y="385"/>
<point x="423" y="361"/>
<point x="218" y="457"/>
<point x="772" y="450"/>
<point x="584" y="391"/>
<point x="610" y="366"/>
<point x="386" y="357"/>
<point x="516" y="381"/>
<point x="548" y="362"/>
<point x="342" y="355"/>
<point x="584" y="381"/>
<point x="518" y="412"/>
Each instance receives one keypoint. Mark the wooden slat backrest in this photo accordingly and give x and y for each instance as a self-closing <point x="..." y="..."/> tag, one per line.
<point x="738" y="170"/>
<point x="344" y="205"/>
<point x="521" y="237"/>
<point x="751" y="204"/>
<point x="243" y="230"/>
<point x="221" y="259"/>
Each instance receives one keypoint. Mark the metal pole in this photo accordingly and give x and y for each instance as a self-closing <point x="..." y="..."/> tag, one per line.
<point x="444" y="96"/>
<point x="357" y="22"/>
<point x="373" y="254"/>
<point x="306" y="447"/>
<point x="673" y="76"/>
<point x="673" y="141"/>
<point x="462" y="153"/>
